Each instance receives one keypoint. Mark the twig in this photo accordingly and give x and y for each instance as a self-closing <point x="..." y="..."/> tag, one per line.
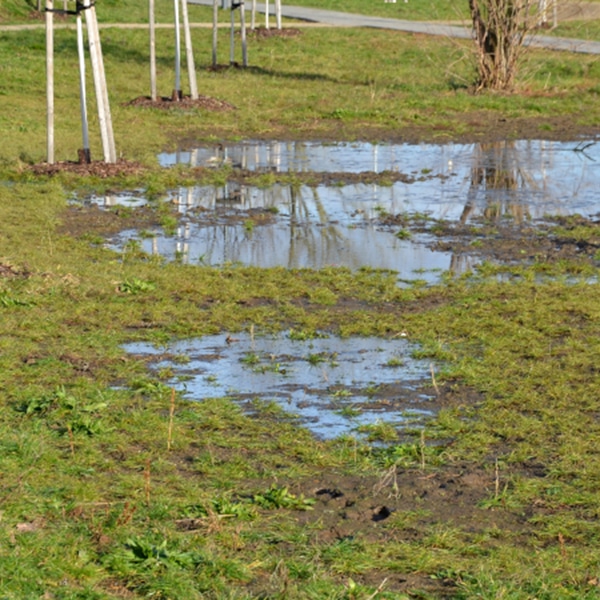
<point x="433" y="381"/>
<point x="71" y="439"/>
<point x="379" y="589"/>
<point x="147" y="481"/>
<point x="497" y="481"/>
<point x="561" y="541"/>
<point x="171" y="413"/>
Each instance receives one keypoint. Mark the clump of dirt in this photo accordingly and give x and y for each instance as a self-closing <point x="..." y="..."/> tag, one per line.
<point x="94" y="221"/>
<point x="506" y="239"/>
<point x="97" y="168"/>
<point x="186" y="102"/>
<point x="514" y="244"/>
<point x="8" y="270"/>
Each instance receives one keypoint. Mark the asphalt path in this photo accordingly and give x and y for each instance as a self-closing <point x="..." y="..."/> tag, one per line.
<point x="339" y="19"/>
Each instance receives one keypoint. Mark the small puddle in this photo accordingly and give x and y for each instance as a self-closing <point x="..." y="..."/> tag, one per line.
<point x="335" y="386"/>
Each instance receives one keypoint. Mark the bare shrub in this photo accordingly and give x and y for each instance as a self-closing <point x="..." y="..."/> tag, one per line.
<point x="499" y="28"/>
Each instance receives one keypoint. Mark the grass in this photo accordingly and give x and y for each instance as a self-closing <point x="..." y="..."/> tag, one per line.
<point x="110" y="490"/>
<point x="296" y="85"/>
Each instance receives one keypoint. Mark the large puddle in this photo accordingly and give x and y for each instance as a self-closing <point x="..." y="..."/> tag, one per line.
<point x="335" y="386"/>
<point x="342" y="225"/>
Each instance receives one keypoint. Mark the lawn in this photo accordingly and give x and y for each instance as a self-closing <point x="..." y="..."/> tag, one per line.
<point x="113" y="485"/>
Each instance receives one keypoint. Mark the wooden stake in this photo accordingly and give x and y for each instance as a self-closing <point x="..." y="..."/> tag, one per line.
<point x="278" y="13"/>
<point x="151" y="19"/>
<point x="85" y="153"/>
<point x="266" y="14"/>
<point x="243" y="34"/>
<point x="253" y="16"/>
<point x="189" y="53"/>
<point x="232" y="38"/>
<point x="50" y="81"/>
<point x="215" y="31"/>
<point x="177" y="95"/>
<point x="104" y="116"/>
<point x="171" y="414"/>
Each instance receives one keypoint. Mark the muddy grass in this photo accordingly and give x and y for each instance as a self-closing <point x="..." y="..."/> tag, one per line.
<point x="404" y="505"/>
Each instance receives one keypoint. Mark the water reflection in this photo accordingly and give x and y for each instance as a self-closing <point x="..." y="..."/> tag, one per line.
<point x="334" y="385"/>
<point x="292" y="227"/>
<point x="329" y="225"/>
<point x="535" y="177"/>
<point x="278" y="156"/>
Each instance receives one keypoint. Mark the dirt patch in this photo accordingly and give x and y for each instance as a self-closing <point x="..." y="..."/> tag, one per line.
<point x="96" y="168"/>
<point x="8" y="270"/>
<point x="90" y="221"/>
<point x="183" y="103"/>
<point x="512" y="244"/>
<point x="263" y="33"/>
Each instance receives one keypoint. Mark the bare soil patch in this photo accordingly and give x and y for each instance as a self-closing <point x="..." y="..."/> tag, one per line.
<point x="264" y="33"/>
<point x="186" y="102"/>
<point x="96" y="168"/>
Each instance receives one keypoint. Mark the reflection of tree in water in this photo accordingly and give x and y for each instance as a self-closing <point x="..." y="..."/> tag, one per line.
<point x="498" y="177"/>
<point x="319" y="243"/>
<point x="310" y="238"/>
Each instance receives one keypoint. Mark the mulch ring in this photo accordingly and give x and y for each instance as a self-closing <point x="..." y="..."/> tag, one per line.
<point x="264" y="33"/>
<point x="97" y="168"/>
<point x="166" y="103"/>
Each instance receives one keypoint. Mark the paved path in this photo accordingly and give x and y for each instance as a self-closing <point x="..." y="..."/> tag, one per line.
<point x="338" y="19"/>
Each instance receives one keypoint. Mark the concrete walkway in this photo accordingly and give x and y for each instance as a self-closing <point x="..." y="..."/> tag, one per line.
<point x="338" y="19"/>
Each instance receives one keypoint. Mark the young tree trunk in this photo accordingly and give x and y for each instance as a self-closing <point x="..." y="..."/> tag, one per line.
<point x="499" y="29"/>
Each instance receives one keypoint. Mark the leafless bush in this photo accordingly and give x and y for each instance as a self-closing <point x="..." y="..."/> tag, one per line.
<point x="499" y="28"/>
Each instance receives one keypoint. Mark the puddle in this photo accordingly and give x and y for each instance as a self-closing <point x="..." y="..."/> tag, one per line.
<point x="314" y="227"/>
<point x="333" y="385"/>
<point x="308" y="227"/>
<point x="541" y="176"/>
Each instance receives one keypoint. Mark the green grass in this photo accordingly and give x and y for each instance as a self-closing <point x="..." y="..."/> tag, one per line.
<point x="93" y="503"/>
<point x="323" y="83"/>
<point x="92" y="493"/>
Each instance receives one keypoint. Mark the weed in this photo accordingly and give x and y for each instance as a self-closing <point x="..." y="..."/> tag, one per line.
<point x="224" y="507"/>
<point x="279" y="497"/>
<point x="379" y="432"/>
<point x="142" y="554"/>
<point x="394" y="362"/>
<point x="135" y="286"/>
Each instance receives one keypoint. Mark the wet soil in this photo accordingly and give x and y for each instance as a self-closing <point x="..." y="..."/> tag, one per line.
<point x="472" y="127"/>
<point x="507" y="242"/>
<point x="403" y="506"/>
<point x="500" y="240"/>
